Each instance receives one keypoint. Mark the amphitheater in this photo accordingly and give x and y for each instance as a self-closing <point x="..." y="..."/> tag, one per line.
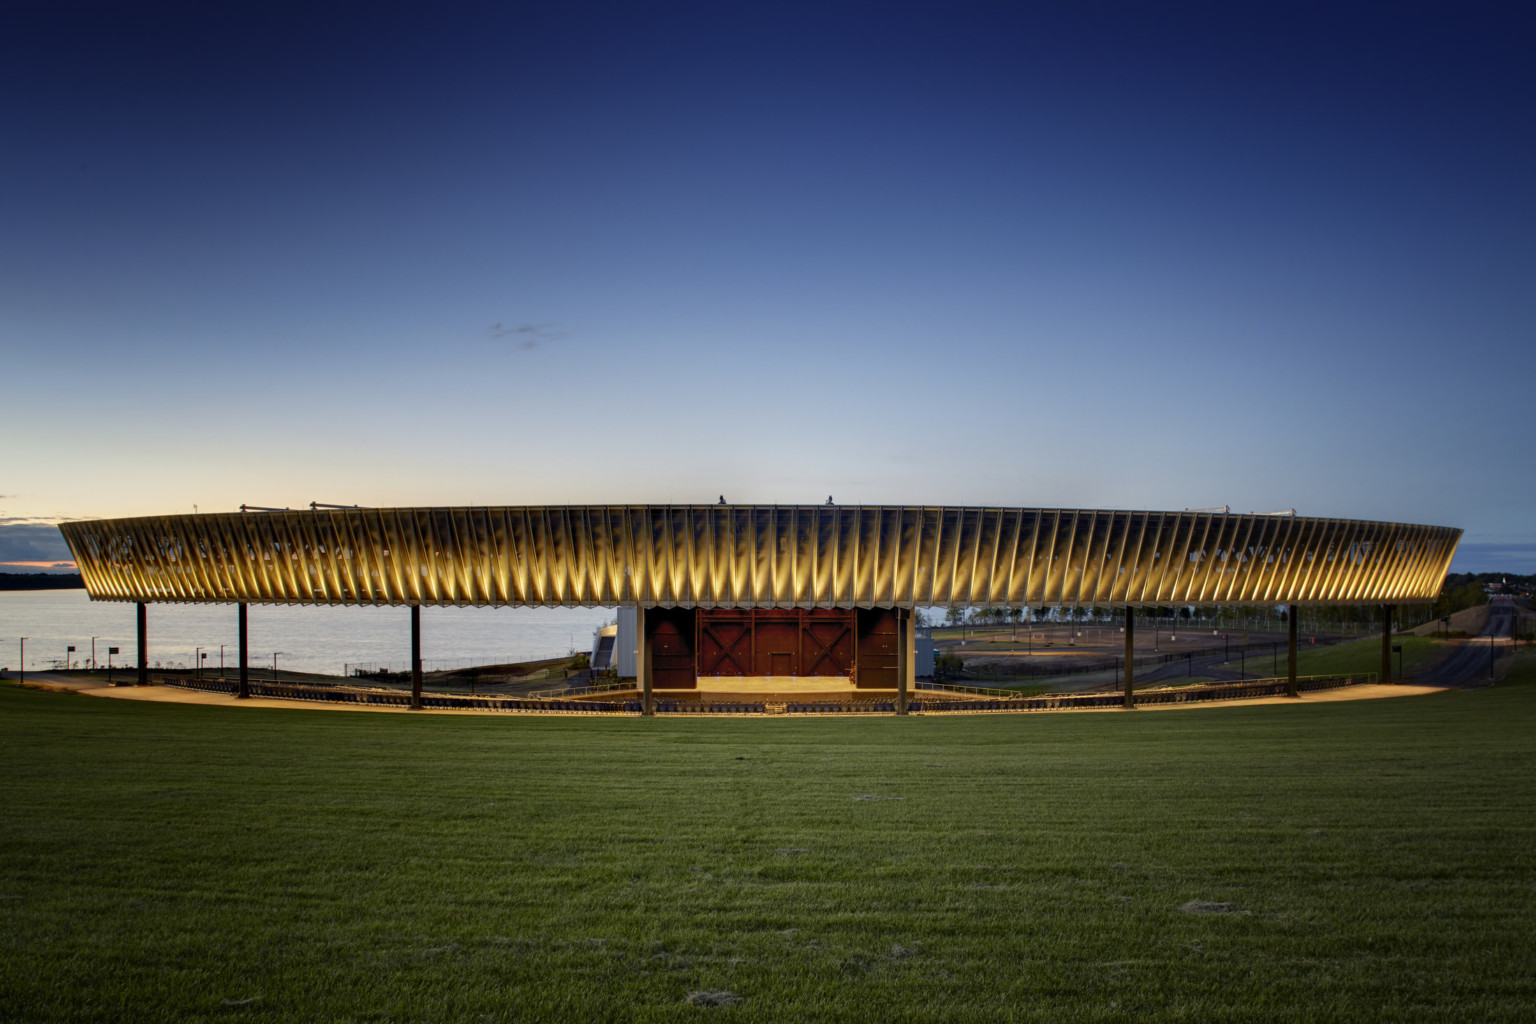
<point x="768" y="608"/>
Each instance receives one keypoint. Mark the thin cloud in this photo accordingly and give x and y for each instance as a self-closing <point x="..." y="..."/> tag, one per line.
<point x="528" y="336"/>
<point x="41" y="520"/>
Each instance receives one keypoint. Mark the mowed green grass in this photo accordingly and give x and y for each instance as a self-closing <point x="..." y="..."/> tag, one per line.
<point x="177" y="863"/>
<point x="1351" y="657"/>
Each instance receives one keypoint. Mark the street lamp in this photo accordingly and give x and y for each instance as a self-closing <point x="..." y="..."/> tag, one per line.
<point x="221" y="661"/>
<point x="21" y="673"/>
<point x="93" y="653"/>
<point x="274" y="664"/>
<point x="197" y="662"/>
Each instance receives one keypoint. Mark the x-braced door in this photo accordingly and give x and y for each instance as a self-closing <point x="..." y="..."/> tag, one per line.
<point x="725" y="642"/>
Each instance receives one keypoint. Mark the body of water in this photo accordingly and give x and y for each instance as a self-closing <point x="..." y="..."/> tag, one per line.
<point x="308" y="639"/>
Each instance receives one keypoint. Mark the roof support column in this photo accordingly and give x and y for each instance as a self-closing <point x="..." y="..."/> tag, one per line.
<point x="143" y="644"/>
<point x="415" y="657"/>
<point x="1290" y="656"/>
<point x="1130" y="654"/>
<point x="643" y="661"/>
<point x="1386" y="641"/>
<point x="244" y="690"/>
<point x="906" y="641"/>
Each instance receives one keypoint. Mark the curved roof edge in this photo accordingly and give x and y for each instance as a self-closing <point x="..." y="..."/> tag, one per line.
<point x="744" y="556"/>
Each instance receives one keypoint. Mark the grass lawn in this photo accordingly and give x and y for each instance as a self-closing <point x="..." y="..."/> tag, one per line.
<point x="1353" y="656"/>
<point x="1369" y="861"/>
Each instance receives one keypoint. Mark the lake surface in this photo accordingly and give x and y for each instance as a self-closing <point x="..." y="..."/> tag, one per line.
<point x="311" y="639"/>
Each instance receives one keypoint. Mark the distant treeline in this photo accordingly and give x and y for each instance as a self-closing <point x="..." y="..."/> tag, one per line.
<point x="41" y="581"/>
<point x="1465" y="589"/>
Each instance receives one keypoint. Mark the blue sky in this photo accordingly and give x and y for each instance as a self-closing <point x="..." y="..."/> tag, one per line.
<point x="1086" y="255"/>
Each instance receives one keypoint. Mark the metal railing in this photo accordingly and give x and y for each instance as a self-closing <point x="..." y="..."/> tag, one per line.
<point x="1302" y="682"/>
<point x="1197" y="693"/>
<point x="324" y="693"/>
<point x="602" y="686"/>
<point x="974" y="700"/>
<point x="982" y="691"/>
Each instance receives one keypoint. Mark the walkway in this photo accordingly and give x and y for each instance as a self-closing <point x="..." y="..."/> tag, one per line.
<point x="59" y="681"/>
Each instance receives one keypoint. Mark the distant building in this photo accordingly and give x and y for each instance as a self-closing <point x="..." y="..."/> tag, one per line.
<point x="603" y="647"/>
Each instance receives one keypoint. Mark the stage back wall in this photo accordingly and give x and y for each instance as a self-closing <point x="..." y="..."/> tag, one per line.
<point x="737" y="556"/>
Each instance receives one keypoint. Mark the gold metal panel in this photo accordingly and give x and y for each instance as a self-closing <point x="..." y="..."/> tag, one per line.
<point x="757" y="556"/>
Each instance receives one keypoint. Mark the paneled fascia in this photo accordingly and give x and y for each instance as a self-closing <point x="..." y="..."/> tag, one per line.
<point x="757" y="556"/>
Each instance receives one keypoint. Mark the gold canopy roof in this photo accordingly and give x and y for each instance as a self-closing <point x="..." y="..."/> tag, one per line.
<point x="745" y="556"/>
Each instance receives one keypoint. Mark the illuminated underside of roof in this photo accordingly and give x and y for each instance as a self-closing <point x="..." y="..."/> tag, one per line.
<point x="741" y="556"/>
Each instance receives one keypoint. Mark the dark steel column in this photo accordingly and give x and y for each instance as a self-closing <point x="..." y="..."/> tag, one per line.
<point x="1130" y="653"/>
<point x="1290" y="658"/>
<point x="1386" y="642"/>
<point x="244" y="692"/>
<point x="415" y="657"/>
<point x="903" y="658"/>
<point x="143" y="644"/>
<point x="643" y="662"/>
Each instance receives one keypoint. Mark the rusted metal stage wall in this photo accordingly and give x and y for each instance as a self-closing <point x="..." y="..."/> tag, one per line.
<point x="776" y="642"/>
<point x="861" y="645"/>
<point x="670" y="637"/>
<point x="880" y="637"/>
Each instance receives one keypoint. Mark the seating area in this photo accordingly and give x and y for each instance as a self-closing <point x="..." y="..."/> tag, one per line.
<point x="879" y="702"/>
<point x="398" y="698"/>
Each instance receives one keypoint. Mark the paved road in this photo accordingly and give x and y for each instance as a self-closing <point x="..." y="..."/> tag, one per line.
<point x="1468" y="664"/>
<point x="1209" y="667"/>
<point x="1261" y="664"/>
<point x="1471" y="663"/>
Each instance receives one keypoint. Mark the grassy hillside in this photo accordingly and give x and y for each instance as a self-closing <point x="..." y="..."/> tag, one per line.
<point x="1354" y="656"/>
<point x="1362" y="861"/>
